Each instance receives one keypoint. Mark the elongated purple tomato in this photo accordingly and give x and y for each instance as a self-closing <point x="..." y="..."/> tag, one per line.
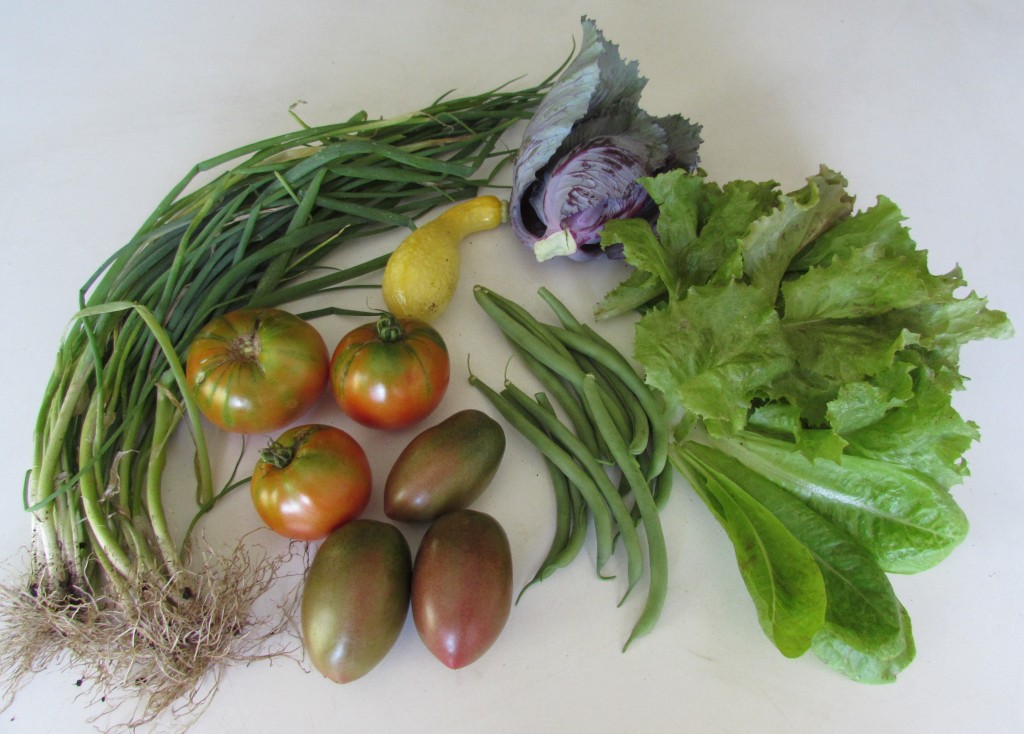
<point x="462" y="586"/>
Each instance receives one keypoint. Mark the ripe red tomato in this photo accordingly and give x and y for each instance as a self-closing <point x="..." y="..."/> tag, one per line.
<point x="257" y="370"/>
<point x="310" y="481"/>
<point x="390" y="374"/>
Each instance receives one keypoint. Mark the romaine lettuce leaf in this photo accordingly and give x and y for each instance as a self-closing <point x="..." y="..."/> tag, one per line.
<point x="861" y="606"/>
<point x="880" y="224"/>
<point x="780" y="572"/>
<point x="843" y="351"/>
<point x="863" y="403"/>
<point x="906" y="521"/>
<point x="872" y="666"/>
<point x="864" y="283"/>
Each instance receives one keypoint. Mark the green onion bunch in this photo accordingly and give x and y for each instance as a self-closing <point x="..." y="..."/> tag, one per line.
<point x="109" y="589"/>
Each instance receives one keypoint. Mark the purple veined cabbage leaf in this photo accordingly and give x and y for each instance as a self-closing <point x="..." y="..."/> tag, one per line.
<point x="585" y="148"/>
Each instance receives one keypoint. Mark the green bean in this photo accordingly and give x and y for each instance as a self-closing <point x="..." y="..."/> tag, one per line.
<point x="529" y="321"/>
<point x="564" y="517"/>
<point x="657" y="552"/>
<point x="577" y="513"/>
<point x="559" y="362"/>
<point x="566" y="398"/>
<point x="640" y="422"/>
<point x="570" y="322"/>
<point x="598" y="509"/>
<point x="630" y="417"/>
<point x="612" y="498"/>
<point x="580" y="337"/>
<point x="661" y="484"/>
<point x="560" y="310"/>
<point x="562" y="501"/>
<point x="577" y="533"/>
<point x="534" y="337"/>
<point x="662" y="487"/>
<point x="615" y="362"/>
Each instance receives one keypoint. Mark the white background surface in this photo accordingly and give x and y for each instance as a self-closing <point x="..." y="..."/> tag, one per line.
<point x="104" y="106"/>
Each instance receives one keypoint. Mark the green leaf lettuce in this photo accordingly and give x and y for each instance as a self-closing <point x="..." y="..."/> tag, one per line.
<point x="813" y="358"/>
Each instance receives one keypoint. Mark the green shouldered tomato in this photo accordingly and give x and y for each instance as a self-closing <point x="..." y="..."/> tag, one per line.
<point x="256" y="369"/>
<point x="311" y="480"/>
<point x="390" y="374"/>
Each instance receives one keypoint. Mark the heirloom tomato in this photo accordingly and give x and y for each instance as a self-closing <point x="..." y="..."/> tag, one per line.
<point x="256" y="369"/>
<point x="390" y="374"/>
<point x="310" y="481"/>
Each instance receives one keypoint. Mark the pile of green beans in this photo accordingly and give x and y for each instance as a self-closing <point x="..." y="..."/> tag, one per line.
<point x="614" y="429"/>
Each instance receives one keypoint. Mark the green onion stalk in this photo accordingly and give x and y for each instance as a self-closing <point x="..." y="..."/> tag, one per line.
<point x="109" y="590"/>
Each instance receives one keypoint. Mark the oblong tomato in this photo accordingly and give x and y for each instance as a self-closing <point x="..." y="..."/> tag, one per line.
<point x="310" y="481"/>
<point x="391" y="373"/>
<point x="462" y="586"/>
<point x="444" y="468"/>
<point x="356" y="598"/>
<point x="256" y="369"/>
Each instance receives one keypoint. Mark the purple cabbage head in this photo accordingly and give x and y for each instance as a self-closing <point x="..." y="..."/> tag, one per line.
<point x="584" y="150"/>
